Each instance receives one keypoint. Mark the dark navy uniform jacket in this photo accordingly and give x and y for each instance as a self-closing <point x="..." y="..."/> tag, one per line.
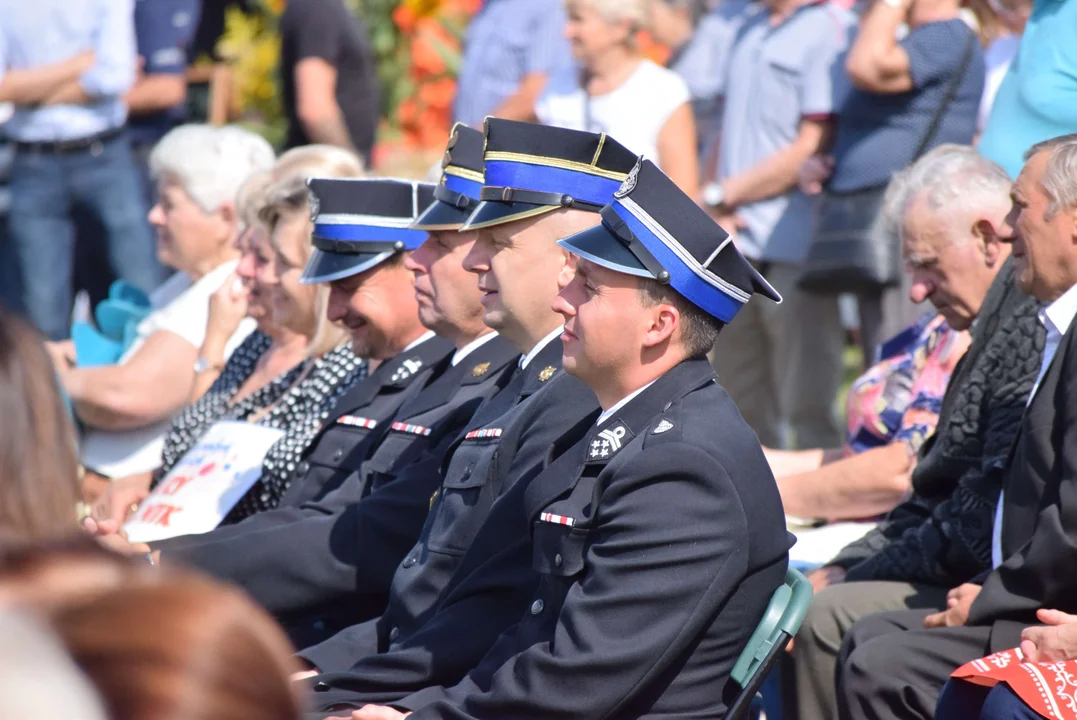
<point x="274" y="555"/>
<point x="503" y="446"/>
<point x="658" y="540"/>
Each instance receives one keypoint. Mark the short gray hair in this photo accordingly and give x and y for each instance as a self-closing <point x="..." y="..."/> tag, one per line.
<point x="211" y="163"/>
<point x="1060" y="177"/>
<point x="948" y="176"/>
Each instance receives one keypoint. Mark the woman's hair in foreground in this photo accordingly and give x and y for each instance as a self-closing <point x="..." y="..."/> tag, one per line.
<point x="39" y="485"/>
<point x="157" y="644"/>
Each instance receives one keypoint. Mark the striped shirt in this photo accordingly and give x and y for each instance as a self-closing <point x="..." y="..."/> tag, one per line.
<point x="506" y="41"/>
<point x="34" y="33"/>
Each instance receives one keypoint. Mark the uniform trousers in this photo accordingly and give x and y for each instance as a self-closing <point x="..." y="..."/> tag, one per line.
<point x="832" y="614"/>
<point x="890" y="666"/>
<point x="782" y="363"/>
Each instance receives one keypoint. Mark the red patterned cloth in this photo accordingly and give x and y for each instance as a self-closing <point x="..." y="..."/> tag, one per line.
<point x="1049" y="688"/>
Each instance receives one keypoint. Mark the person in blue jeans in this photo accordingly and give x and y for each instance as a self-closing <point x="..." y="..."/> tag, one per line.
<point x="72" y="154"/>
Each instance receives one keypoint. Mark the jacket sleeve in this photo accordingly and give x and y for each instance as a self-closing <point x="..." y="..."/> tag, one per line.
<point x="668" y="552"/>
<point x="485" y="598"/>
<point x="905" y="516"/>
<point x="329" y="551"/>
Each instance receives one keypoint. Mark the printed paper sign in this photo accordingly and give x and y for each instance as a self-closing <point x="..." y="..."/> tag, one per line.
<point x="205" y="484"/>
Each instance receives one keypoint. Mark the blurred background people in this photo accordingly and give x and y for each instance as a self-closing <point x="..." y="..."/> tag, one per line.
<point x="328" y="79"/>
<point x="782" y="363"/>
<point x="126" y="407"/>
<point x="699" y="37"/>
<point x="1012" y="16"/>
<point x="1037" y="99"/>
<point x="72" y="152"/>
<point x="615" y="90"/>
<point x="511" y="50"/>
<point x="907" y="96"/>
<point x="37" y="666"/>
<point x="39" y="483"/>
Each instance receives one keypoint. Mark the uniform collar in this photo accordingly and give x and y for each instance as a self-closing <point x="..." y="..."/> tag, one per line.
<point x="607" y="414"/>
<point x="641" y="413"/>
<point x="418" y="341"/>
<point x="539" y="347"/>
<point x="472" y="347"/>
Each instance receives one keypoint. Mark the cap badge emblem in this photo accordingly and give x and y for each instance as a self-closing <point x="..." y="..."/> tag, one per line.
<point x="547" y="373"/>
<point x="630" y="182"/>
<point x="315" y="206"/>
<point x="480" y="369"/>
<point x="664" y="426"/>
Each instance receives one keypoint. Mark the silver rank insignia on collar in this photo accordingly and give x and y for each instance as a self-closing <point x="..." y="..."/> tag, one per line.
<point x="406" y="370"/>
<point x="606" y="444"/>
<point x="664" y="426"/>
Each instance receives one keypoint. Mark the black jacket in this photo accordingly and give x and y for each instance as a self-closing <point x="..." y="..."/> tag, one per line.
<point x="504" y="446"/>
<point x="942" y="534"/>
<point x="659" y="540"/>
<point x="1039" y="511"/>
<point x="283" y="557"/>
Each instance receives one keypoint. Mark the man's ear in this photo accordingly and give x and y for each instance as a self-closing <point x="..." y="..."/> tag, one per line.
<point x="568" y="269"/>
<point x="991" y="244"/>
<point x="665" y="319"/>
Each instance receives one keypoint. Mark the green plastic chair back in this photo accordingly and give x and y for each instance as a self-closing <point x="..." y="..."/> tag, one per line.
<point x="780" y="623"/>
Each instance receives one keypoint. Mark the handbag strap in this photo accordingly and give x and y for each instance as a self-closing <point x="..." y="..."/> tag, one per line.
<point x="948" y="98"/>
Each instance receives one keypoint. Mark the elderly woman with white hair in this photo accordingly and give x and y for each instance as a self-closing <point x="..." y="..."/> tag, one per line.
<point x="125" y="408"/>
<point x="615" y="90"/>
<point x="288" y="374"/>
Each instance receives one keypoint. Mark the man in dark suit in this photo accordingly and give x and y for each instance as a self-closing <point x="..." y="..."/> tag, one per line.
<point x="894" y="664"/>
<point x="658" y="540"/>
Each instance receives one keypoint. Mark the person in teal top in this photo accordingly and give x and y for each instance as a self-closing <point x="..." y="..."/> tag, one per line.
<point x="1038" y="97"/>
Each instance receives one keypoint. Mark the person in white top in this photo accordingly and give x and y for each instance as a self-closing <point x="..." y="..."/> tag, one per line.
<point x="616" y="91"/>
<point x="1012" y="16"/>
<point x="126" y="407"/>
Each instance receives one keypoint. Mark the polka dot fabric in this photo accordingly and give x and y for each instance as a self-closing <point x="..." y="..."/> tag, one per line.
<point x="299" y="410"/>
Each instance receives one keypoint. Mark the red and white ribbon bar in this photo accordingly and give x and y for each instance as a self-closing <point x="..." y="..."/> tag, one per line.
<point x="356" y="421"/>
<point x="557" y="519"/>
<point x="411" y="429"/>
<point x="484" y="433"/>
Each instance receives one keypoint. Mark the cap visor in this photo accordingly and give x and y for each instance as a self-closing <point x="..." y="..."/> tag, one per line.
<point x="488" y="213"/>
<point x="326" y="266"/>
<point x="602" y="247"/>
<point x="441" y="216"/>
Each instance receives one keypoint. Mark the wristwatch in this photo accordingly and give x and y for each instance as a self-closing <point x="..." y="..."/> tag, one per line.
<point x="202" y="365"/>
<point x="713" y="194"/>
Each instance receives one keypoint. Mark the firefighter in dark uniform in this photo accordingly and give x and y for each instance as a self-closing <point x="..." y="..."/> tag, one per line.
<point x="520" y="268"/>
<point x="659" y="537"/>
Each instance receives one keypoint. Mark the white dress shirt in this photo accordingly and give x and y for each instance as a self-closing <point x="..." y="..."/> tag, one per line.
<point x="607" y="414"/>
<point x="1056" y="318"/>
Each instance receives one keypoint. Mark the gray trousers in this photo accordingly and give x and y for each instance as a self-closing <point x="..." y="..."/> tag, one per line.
<point x="831" y="615"/>
<point x="782" y="363"/>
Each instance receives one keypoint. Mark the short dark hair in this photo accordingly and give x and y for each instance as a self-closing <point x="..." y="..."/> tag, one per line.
<point x="699" y="331"/>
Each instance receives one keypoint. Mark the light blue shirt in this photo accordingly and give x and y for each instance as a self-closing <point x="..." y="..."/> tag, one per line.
<point x="778" y="76"/>
<point x="1038" y="97"/>
<point x="34" y="33"/>
<point x="506" y="41"/>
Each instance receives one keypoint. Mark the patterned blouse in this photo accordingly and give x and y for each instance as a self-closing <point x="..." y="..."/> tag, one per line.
<point x="297" y="408"/>
<point x="898" y="399"/>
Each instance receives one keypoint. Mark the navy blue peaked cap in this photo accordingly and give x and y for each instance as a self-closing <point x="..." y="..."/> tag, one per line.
<point x="653" y="230"/>
<point x="457" y="194"/>
<point x="360" y="222"/>
<point x="531" y="169"/>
